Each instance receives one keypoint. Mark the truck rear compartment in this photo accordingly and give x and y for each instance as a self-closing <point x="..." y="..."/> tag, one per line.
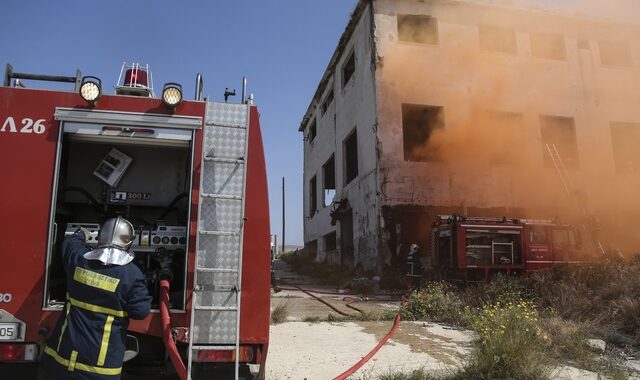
<point x="146" y="180"/>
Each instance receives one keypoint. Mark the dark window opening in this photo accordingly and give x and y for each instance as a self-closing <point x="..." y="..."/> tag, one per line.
<point x="330" y="242"/>
<point x="550" y="46"/>
<point x="625" y="138"/>
<point x="418" y="28"/>
<point x="561" y="132"/>
<point x="329" y="178"/>
<point x="327" y="102"/>
<point x="351" y="157"/>
<point x="312" y="130"/>
<point x="348" y="69"/>
<point x="313" y="196"/>
<point x="614" y="54"/>
<point x="498" y="39"/>
<point x="418" y="123"/>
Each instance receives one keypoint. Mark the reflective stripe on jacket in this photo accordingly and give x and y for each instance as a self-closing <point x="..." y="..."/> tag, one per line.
<point x="89" y="338"/>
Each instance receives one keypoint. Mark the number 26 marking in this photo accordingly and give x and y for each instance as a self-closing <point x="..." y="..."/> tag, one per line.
<point x="28" y="126"/>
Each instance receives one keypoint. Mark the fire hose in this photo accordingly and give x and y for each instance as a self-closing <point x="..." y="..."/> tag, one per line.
<point x="371" y="353"/>
<point x="169" y="344"/>
<point x="396" y="322"/>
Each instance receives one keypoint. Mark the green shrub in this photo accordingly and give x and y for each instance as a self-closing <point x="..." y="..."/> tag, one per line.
<point x="437" y="302"/>
<point x="508" y="344"/>
<point x="501" y="288"/>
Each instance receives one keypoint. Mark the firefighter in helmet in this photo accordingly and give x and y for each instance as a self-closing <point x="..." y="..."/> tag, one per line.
<point x="414" y="267"/>
<point x="104" y="290"/>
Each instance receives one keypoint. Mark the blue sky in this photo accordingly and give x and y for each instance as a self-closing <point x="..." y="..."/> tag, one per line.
<point x="281" y="46"/>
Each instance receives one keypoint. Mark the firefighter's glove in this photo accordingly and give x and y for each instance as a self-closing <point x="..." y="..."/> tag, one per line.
<point x="84" y="233"/>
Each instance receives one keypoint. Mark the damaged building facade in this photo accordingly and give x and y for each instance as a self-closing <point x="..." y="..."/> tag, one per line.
<point x="448" y="107"/>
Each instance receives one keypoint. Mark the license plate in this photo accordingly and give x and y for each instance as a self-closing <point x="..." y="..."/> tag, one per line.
<point x="9" y="331"/>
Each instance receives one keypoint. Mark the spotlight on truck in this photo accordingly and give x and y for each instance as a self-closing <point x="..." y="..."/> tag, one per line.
<point x="90" y="89"/>
<point x="172" y="95"/>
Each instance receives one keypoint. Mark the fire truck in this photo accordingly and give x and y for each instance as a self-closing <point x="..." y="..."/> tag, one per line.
<point x="189" y="175"/>
<point x="475" y="248"/>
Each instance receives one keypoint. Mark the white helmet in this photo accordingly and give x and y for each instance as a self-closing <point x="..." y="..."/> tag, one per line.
<point x="414" y="247"/>
<point x="116" y="233"/>
<point x="115" y="238"/>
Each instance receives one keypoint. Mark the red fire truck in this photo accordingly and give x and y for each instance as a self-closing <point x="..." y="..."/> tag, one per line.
<point x="189" y="175"/>
<point x="474" y="248"/>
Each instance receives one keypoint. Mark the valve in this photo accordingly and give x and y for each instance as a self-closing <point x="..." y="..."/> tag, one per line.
<point x="164" y="259"/>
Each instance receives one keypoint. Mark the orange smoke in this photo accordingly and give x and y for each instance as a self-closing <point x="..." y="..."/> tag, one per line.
<point x="492" y="140"/>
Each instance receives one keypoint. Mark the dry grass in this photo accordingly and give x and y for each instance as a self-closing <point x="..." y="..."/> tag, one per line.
<point x="280" y="313"/>
<point x="605" y="297"/>
<point x="418" y="374"/>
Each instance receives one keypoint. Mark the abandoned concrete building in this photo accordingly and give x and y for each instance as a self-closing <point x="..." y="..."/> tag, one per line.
<point x="432" y="107"/>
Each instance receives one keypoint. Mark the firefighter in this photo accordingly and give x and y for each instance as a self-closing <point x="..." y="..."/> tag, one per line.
<point x="104" y="290"/>
<point x="414" y="267"/>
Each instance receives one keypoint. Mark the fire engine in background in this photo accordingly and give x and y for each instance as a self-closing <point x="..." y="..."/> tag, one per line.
<point x="474" y="248"/>
<point x="190" y="176"/>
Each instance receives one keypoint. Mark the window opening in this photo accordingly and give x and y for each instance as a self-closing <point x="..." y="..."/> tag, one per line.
<point x="561" y="132"/>
<point x="329" y="178"/>
<point x="420" y="29"/>
<point x="418" y="123"/>
<point x="351" y="157"/>
<point x="349" y="68"/>
<point x="625" y="138"/>
<point x="313" y="197"/>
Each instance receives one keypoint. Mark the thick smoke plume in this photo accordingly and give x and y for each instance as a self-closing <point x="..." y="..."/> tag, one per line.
<point x="500" y="108"/>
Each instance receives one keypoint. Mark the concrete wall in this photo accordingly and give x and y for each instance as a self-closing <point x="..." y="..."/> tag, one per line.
<point x="353" y="108"/>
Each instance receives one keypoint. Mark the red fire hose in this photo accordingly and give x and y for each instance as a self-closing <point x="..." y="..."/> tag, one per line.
<point x="368" y="356"/>
<point x="169" y="344"/>
<point x="377" y="348"/>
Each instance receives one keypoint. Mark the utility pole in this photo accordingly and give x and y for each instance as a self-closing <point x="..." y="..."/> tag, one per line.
<point x="283" y="214"/>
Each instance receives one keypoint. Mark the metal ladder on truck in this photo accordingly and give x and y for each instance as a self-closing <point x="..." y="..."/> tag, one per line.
<point x="570" y="189"/>
<point x="215" y="304"/>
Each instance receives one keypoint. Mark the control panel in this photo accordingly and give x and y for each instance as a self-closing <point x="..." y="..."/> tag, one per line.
<point x="146" y="239"/>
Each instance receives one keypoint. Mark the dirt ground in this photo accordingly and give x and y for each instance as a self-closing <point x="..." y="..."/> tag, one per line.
<point x="307" y="346"/>
<point x="304" y="348"/>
